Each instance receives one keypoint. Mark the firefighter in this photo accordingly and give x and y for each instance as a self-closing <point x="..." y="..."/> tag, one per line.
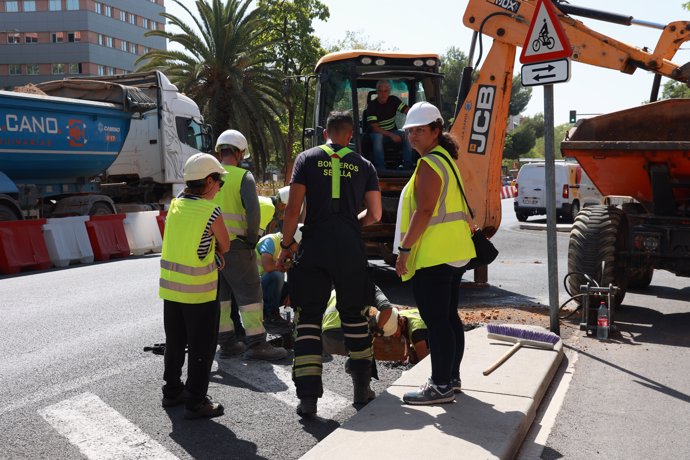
<point x="337" y="183"/>
<point x="240" y="277"/>
<point x="194" y="233"/>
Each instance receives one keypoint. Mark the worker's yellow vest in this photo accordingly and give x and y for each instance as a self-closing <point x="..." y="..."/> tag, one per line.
<point x="414" y="321"/>
<point x="448" y="237"/>
<point x="267" y="209"/>
<point x="331" y="318"/>
<point x="276" y="237"/>
<point x="230" y="202"/>
<point x="184" y="278"/>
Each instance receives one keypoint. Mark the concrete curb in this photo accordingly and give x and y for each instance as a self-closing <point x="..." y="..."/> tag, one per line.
<point x="488" y="420"/>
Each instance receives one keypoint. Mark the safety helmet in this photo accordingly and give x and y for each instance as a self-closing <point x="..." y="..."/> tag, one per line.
<point x="298" y="233"/>
<point x="232" y="138"/>
<point x="387" y="321"/>
<point x="200" y="165"/>
<point x="284" y="193"/>
<point x="421" y="114"/>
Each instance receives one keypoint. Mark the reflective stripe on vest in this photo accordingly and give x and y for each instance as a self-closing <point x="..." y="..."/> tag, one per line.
<point x="230" y="201"/>
<point x="335" y="167"/>
<point x="447" y="238"/>
<point x="184" y="278"/>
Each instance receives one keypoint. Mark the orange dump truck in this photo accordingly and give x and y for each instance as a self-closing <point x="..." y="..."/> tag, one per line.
<point x="642" y="153"/>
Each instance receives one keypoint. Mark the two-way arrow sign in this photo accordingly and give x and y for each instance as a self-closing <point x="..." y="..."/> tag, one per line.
<point x="545" y="73"/>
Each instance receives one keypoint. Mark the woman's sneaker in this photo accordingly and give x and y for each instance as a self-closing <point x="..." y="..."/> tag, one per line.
<point x="205" y="409"/>
<point x="457" y="385"/>
<point x="430" y="393"/>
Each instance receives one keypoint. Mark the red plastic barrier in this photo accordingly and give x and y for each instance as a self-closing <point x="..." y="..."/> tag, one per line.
<point x="107" y="236"/>
<point x="160" y="218"/>
<point x="22" y="246"/>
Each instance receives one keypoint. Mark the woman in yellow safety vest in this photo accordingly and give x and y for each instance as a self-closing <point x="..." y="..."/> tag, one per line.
<point x="434" y="241"/>
<point x="195" y="235"/>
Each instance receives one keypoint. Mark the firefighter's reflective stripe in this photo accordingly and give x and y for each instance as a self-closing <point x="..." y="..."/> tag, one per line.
<point x="307" y="365"/>
<point x="335" y="167"/>
<point x="447" y="238"/>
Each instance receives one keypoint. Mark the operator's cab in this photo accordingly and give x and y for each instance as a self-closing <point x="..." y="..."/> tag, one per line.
<point x="347" y="81"/>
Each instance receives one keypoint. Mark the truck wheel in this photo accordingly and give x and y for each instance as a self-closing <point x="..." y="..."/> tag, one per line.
<point x="7" y="213"/>
<point x="521" y="217"/>
<point x="574" y="210"/>
<point x="640" y="278"/>
<point x="598" y="235"/>
<point x="100" y="208"/>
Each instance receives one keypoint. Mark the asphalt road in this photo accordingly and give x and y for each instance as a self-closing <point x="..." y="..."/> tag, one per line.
<point x="76" y="383"/>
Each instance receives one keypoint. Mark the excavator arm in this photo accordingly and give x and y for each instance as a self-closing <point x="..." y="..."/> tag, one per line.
<point x="482" y="112"/>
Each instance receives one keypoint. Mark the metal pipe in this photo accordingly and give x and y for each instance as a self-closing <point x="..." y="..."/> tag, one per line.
<point x="606" y="16"/>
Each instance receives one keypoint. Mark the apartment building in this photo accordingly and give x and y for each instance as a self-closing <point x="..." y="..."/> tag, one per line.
<point x="42" y="40"/>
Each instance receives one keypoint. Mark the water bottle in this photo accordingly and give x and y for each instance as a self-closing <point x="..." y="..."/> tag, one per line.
<point x="603" y="322"/>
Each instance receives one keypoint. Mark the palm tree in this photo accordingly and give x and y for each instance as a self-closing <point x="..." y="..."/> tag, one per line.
<point x="224" y="69"/>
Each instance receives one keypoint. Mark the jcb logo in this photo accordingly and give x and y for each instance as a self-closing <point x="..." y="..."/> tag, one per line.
<point x="511" y="5"/>
<point x="482" y="119"/>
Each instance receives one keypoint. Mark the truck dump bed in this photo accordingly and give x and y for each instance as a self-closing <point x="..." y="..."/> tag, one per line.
<point x="618" y="150"/>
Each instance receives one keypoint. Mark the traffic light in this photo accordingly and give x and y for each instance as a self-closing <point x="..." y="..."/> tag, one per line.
<point x="573" y="116"/>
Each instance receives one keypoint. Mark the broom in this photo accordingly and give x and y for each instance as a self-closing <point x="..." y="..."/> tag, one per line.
<point x="520" y="336"/>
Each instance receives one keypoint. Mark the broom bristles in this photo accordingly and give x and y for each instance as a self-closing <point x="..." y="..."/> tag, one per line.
<point x="527" y="336"/>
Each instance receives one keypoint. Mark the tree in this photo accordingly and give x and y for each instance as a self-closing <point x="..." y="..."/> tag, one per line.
<point x="519" y="96"/>
<point x="224" y="69"/>
<point x="675" y="90"/>
<point x="295" y="52"/>
<point x="357" y="41"/>
<point x="452" y="64"/>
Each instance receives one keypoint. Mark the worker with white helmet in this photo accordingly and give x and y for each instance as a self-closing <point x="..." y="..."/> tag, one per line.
<point x="239" y="202"/>
<point x="273" y="280"/>
<point x="195" y="239"/>
<point x="434" y="241"/>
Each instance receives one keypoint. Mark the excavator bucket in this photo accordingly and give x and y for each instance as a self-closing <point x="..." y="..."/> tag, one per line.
<point x="643" y="152"/>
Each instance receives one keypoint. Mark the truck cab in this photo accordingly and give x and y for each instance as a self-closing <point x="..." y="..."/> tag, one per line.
<point x="347" y="80"/>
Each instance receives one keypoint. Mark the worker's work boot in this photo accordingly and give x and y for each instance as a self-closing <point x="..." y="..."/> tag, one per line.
<point x="228" y="350"/>
<point x="362" y="389"/>
<point x="265" y="351"/>
<point x="307" y="407"/>
<point x="276" y="324"/>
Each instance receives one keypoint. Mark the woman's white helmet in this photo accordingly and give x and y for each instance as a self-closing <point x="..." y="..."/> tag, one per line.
<point x="232" y="138"/>
<point x="387" y="321"/>
<point x="200" y="165"/>
<point x="421" y="114"/>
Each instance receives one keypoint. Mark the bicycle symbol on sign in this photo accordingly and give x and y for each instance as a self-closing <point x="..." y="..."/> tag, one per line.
<point x="543" y="39"/>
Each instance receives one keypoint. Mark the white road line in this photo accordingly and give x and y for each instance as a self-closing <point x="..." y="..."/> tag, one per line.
<point x="276" y="379"/>
<point x="72" y="385"/>
<point x="100" y="432"/>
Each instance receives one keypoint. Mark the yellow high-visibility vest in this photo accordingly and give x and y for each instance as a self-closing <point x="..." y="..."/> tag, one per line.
<point x="267" y="209"/>
<point x="448" y="237"/>
<point x="184" y="278"/>
<point x="230" y="202"/>
<point x="276" y="237"/>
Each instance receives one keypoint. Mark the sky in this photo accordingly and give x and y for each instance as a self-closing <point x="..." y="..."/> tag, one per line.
<point x="436" y="25"/>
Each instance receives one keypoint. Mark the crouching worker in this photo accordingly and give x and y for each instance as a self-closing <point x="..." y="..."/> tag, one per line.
<point x="195" y="238"/>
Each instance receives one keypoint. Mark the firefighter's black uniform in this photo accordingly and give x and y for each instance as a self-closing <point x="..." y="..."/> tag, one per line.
<point x="331" y="254"/>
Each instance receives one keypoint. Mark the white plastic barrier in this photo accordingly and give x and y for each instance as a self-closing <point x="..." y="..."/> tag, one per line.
<point x="67" y="240"/>
<point x="142" y="232"/>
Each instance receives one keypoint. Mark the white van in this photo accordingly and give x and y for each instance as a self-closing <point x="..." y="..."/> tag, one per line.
<point x="574" y="190"/>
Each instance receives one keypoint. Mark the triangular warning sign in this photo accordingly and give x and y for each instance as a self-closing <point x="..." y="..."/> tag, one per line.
<point x="546" y="39"/>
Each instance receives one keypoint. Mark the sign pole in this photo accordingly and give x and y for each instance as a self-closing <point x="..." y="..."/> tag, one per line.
<point x="551" y="244"/>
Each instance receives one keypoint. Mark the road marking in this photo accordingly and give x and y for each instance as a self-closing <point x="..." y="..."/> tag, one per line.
<point x="535" y="440"/>
<point x="100" y="432"/>
<point x="276" y="379"/>
<point x="72" y="385"/>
